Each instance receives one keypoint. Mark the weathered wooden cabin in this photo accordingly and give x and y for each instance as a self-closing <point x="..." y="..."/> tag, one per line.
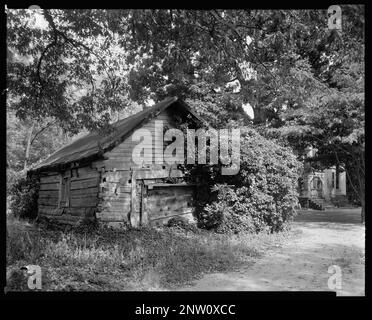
<point x="95" y="176"/>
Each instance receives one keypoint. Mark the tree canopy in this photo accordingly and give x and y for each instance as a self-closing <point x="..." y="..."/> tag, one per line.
<point x="82" y="63"/>
<point x="304" y="81"/>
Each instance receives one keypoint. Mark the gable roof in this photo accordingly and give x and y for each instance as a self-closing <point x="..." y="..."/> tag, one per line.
<point x="95" y="144"/>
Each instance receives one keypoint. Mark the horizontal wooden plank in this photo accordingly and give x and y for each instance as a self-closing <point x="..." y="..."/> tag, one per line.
<point x="47" y="206"/>
<point x="171" y="187"/>
<point x="94" y="177"/>
<point x="114" y="185"/>
<point x="153" y="174"/>
<point x="49" y="173"/>
<point x="169" y="191"/>
<point x="50" y="179"/>
<point x="92" y="182"/>
<point x="111" y="216"/>
<point x="153" y="166"/>
<point x="83" y="202"/>
<point x="97" y="165"/>
<point x="111" y="165"/>
<point x="93" y="174"/>
<point x="51" y="183"/>
<point x="123" y="176"/>
<point x="119" y="192"/>
<point x="88" y="200"/>
<point x="120" y="196"/>
<point x="48" y="196"/>
<point x="116" y="176"/>
<point x="84" y="196"/>
<point x="48" y="202"/>
<point x="126" y="164"/>
<point x="77" y="211"/>
<point x="48" y="210"/>
<point x="113" y="182"/>
<point x="83" y="211"/>
<point x="111" y="191"/>
<point x="85" y="191"/>
<point x="164" y="200"/>
<point x="49" y="186"/>
<point x="86" y="170"/>
<point x="115" y="200"/>
<point x="51" y="193"/>
<point x="114" y="206"/>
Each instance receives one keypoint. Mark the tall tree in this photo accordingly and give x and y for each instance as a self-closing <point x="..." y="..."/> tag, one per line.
<point x="286" y="63"/>
<point x="333" y="119"/>
<point x="78" y="63"/>
<point x="68" y="67"/>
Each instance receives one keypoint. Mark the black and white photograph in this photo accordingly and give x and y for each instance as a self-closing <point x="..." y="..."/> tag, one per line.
<point x="185" y="151"/>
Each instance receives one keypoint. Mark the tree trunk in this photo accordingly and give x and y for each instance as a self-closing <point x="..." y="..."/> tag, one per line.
<point x="362" y="193"/>
<point x="260" y="115"/>
<point x="358" y="186"/>
<point x="28" y="147"/>
<point x="362" y="190"/>
<point x="363" y="210"/>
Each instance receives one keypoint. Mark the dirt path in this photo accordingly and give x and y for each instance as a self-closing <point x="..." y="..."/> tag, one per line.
<point x="319" y="240"/>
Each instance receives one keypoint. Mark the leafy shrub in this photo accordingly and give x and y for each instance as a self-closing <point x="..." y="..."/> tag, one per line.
<point x="24" y="195"/>
<point x="261" y="197"/>
<point x="12" y="178"/>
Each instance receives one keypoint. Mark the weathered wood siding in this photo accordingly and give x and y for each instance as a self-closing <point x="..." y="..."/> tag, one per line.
<point x="123" y="187"/>
<point x="115" y="189"/>
<point x="120" y="158"/>
<point x="83" y="194"/>
<point x="163" y="203"/>
<point x="115" y="196"/>
<point x="49" y="193"/>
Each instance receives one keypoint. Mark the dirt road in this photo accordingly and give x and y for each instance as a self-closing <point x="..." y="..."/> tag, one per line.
<point x="320" y="239"/>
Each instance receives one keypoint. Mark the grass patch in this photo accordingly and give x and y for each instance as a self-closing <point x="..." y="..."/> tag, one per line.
<point x="105" y="259"/>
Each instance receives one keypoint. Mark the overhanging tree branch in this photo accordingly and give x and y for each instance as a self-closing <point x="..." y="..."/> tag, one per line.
<point x="42" y="129"/>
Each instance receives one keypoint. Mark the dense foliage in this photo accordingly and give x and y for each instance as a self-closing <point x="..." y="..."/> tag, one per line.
<point x="333" y="121"/>
<point x="80" y="64"/>
<point x="262" y="196"/>
<point x="302" y="79"/>
<point x="24" y="195"/>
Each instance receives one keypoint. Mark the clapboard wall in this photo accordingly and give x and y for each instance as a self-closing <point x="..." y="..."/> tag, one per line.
<point x="82" y="196"/>
<point x="115" y="189"/>
<point x="124" y="183"/>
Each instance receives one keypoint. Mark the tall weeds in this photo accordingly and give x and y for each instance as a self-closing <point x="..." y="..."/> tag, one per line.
<point x="146" y="259"/>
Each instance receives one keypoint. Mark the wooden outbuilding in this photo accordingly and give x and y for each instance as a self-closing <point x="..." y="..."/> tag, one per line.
<point x="95" y="177"/>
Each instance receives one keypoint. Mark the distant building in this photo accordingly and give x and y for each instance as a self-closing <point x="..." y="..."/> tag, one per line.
<point x="322" y="189"/>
